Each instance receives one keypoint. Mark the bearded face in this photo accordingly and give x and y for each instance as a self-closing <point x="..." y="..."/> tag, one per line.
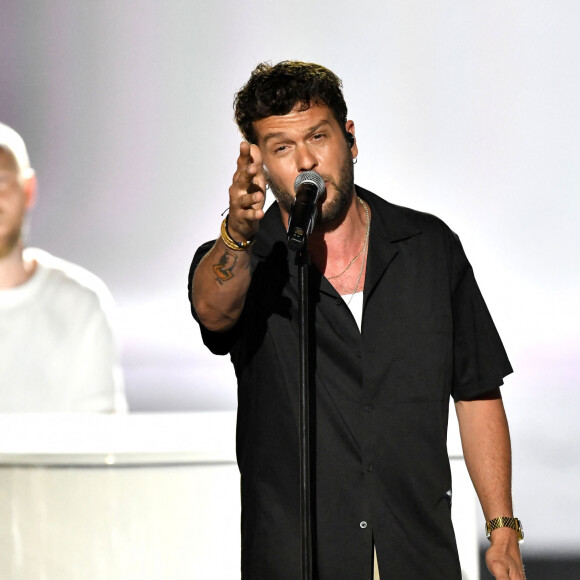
<point x="13" y="204"/>
<point x="335" y="201"/>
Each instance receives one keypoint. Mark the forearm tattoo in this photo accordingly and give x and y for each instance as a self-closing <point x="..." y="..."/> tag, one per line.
<point x="224" y="268"/>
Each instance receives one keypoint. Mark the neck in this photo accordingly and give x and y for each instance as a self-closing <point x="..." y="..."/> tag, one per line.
<point x="332" y="249"/>
<point x="14" y="270"/>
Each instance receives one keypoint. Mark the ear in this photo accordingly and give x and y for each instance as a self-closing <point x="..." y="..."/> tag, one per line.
<point x="349" y="127"/>
<point x="29" y="187"/>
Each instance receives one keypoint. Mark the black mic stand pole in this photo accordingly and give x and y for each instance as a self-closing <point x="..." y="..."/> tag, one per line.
<point x="308" y="187"/>
<point x="304" y="415"/>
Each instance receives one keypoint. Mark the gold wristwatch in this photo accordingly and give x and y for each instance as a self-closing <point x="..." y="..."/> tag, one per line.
<point x="505" y="522"/>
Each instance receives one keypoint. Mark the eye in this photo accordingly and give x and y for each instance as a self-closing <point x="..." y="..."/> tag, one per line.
<point x="318" y="136"/>
<point x="280" y="148"/>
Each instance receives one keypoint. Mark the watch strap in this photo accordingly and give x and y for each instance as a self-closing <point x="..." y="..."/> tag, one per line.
<point x="504" y="522"/>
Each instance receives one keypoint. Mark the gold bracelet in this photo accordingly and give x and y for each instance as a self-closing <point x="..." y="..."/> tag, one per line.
<point x="230" y="242"/>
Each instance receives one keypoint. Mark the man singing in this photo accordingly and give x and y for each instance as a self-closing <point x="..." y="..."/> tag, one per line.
<point x="398" y="326"/>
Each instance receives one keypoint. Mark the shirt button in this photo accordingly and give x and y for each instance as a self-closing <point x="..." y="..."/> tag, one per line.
<point x="370" y="467"/>
<point x="368" y="409"/>
<point x="358" y="354"/>
<point x="363" y="525"/>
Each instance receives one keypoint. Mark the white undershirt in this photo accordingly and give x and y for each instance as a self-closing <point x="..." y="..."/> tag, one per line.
<point x="57" y="349"/>
<point x="355" y="303"/>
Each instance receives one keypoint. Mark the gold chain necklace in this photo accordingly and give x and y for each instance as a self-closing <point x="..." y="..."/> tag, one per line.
<point x="362" y="250"/>
<point x="365" y="246"/>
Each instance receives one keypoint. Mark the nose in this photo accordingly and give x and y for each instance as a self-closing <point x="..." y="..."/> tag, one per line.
<point x="305" y="159"/>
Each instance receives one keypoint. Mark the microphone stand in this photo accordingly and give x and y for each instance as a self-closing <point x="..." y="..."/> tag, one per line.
<point x="304" y="415"/>
<point x="308" y="187"/>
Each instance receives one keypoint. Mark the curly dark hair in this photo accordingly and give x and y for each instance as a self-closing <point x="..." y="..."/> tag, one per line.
<point x="276" y="90"/>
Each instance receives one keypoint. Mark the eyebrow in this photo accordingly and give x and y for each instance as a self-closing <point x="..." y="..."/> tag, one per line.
<point x="308" y="131"/>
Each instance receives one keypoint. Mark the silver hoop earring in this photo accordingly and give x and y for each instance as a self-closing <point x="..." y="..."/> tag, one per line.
<point x="355" y="160"/>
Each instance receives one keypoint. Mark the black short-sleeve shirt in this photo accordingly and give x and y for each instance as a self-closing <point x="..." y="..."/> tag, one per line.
<point x="381" y="400"/>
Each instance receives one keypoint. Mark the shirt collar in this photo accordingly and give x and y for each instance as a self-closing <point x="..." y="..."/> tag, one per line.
<point x="390" y="224"/>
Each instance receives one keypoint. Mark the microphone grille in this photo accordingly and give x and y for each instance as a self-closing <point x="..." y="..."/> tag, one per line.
<point x="311" y="177"/>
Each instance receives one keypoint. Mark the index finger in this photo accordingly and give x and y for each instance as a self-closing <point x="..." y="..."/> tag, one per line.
<point x="256" y="169"/>
<point x="249" y="166"/>
<point x="255" y="155"/>
<point x="245" y="151"/>
<point x="253" y="158"/>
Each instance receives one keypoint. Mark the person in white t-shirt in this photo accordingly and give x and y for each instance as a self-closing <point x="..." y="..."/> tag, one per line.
<point x="57" y="348"/>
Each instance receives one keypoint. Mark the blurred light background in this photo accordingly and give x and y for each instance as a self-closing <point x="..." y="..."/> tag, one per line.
<point x="468" y="110"/>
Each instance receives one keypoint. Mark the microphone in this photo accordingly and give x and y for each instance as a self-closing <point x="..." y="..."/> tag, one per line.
<point x="309" y="186"/>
